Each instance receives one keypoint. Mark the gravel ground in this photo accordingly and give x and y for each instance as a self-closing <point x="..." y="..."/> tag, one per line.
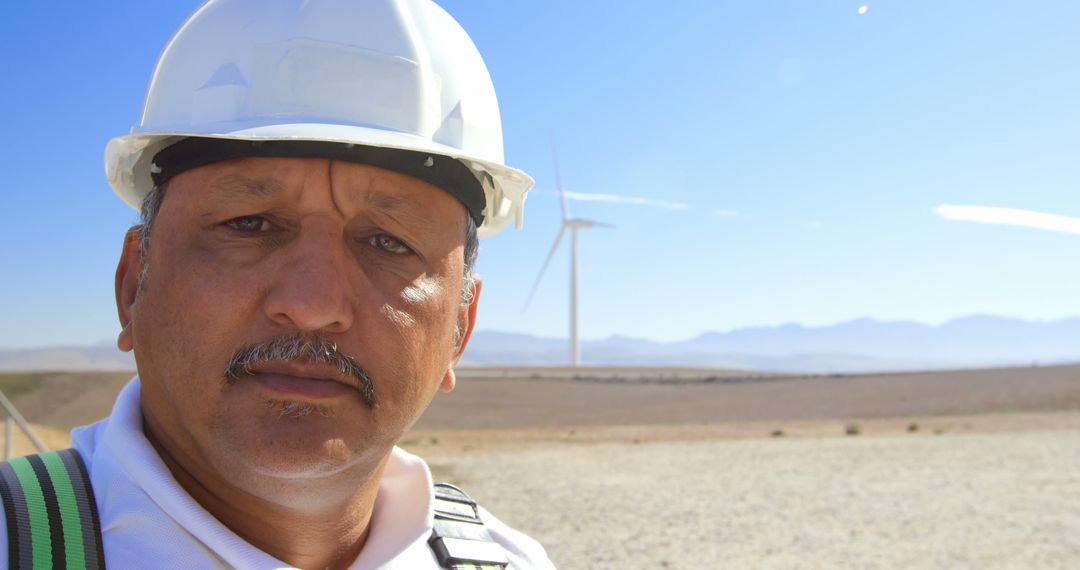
<point x="986" y="501"/>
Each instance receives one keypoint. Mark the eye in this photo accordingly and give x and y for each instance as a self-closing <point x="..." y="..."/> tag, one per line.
<point x="389" y="244"/>
<point x="249" y="224"/>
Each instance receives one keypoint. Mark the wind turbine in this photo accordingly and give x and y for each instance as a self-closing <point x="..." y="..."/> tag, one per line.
<point x="573" y="224"/>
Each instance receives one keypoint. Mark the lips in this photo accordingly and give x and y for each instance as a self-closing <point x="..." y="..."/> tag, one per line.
<point x="302" y="381"/>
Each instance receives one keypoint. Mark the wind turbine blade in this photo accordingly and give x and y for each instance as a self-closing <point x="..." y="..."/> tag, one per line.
<point x="558" y="184"/>
<point x="547" y="262"/>
<point x="603" y="225"/>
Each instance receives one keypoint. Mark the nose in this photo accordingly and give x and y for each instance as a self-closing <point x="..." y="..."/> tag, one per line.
<point x="311" y="290"/>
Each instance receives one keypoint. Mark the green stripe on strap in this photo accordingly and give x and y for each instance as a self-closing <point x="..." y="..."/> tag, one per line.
<point x="69" y="511"/>
<point x="51" y="514"/>
<point x="41" y="540"/>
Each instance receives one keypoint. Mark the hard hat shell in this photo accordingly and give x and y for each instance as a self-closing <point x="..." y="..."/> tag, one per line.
<point x="398" y="74"/>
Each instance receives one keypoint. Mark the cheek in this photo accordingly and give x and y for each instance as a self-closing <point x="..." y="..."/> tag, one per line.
<point x="423" y="291"/>
<point x="401" y="320"/>
<point x="420" y="322"/>
<point x="186" y="312"/>
<point x="199" y="298"/>
<point x="420" y="307"/>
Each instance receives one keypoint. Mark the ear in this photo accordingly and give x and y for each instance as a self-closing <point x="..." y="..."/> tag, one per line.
<point x="466" y="322"/>
<point x="127" y="286"/>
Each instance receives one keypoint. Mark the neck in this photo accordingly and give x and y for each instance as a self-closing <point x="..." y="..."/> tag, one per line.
<point x="280" y="521"/>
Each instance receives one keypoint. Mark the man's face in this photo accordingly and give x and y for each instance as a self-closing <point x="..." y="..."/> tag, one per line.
<point x="247" y="251"/>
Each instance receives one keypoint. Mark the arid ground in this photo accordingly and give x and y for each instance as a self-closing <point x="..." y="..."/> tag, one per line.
<point x="968" y="469"/>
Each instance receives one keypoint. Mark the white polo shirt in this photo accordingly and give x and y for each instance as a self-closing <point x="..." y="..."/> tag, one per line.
<point x="148" y="520"/>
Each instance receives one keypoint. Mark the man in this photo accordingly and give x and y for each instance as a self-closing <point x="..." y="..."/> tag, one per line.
<point x="313" y="177"/>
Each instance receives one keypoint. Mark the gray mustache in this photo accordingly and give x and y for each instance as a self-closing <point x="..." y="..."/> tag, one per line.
<point x="301" y="348"/>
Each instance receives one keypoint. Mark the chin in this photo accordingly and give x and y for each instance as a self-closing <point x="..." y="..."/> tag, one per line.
<point x="295" y="441"/>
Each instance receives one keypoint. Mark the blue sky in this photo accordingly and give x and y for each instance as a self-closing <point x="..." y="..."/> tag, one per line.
<point x="764" y="162"/>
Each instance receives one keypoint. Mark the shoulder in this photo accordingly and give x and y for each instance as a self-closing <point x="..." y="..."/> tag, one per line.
<point x="463" y="530"/>
<point x="524" y="552"/>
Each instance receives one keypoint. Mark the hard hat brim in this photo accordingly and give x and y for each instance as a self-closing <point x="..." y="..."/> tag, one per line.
<point x="128" y="162"/>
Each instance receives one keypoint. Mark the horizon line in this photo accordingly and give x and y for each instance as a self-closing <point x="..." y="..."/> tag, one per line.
<point x="931" y="324"/>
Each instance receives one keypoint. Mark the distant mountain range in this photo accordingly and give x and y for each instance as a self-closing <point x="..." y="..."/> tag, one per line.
<point x="57" y="358"/>
<point x="855" y="346"/>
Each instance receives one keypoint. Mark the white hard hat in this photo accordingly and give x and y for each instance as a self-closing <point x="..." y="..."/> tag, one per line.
<point x="396" y="81"/>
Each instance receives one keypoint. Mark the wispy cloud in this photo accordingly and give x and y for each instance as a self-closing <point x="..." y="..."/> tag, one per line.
<point x="1010" y="217"/>
<point x="725" y="213"/>
<point x="634" y="200"/>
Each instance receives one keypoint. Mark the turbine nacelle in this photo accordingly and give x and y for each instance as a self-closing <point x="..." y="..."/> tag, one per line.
<point x="584" y="224"/>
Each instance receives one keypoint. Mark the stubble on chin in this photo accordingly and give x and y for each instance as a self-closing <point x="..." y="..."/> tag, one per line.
<point x="297" y="410"/>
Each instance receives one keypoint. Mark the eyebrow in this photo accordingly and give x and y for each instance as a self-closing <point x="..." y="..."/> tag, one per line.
<point x="239" y="186"/>
<point x="384" y="202"/>
<point x="400" y="209"/>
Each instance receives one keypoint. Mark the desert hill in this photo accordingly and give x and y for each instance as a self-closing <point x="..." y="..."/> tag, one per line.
<point x="974" y="463"/>
<point x="545" y="397"/>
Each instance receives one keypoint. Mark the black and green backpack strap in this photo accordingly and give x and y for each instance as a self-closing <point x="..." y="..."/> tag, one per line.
<point x="459" y="538"/>
<point x="52" y="518"/>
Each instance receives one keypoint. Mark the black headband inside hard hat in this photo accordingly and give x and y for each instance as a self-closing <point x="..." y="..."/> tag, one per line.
<point x="446" y="173"/>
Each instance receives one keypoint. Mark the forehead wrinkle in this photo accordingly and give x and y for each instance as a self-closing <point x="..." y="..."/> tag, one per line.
<point x="406" y="205"/>
<point x="384" y="202"/>
<point x="399" y="209"/>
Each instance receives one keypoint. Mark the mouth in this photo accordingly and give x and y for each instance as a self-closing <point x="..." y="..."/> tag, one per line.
<point x="300" y="367"/>
<point x="290" y="380"/>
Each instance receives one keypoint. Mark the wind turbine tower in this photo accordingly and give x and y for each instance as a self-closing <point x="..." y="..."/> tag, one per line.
<point x="573" y="224"/>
